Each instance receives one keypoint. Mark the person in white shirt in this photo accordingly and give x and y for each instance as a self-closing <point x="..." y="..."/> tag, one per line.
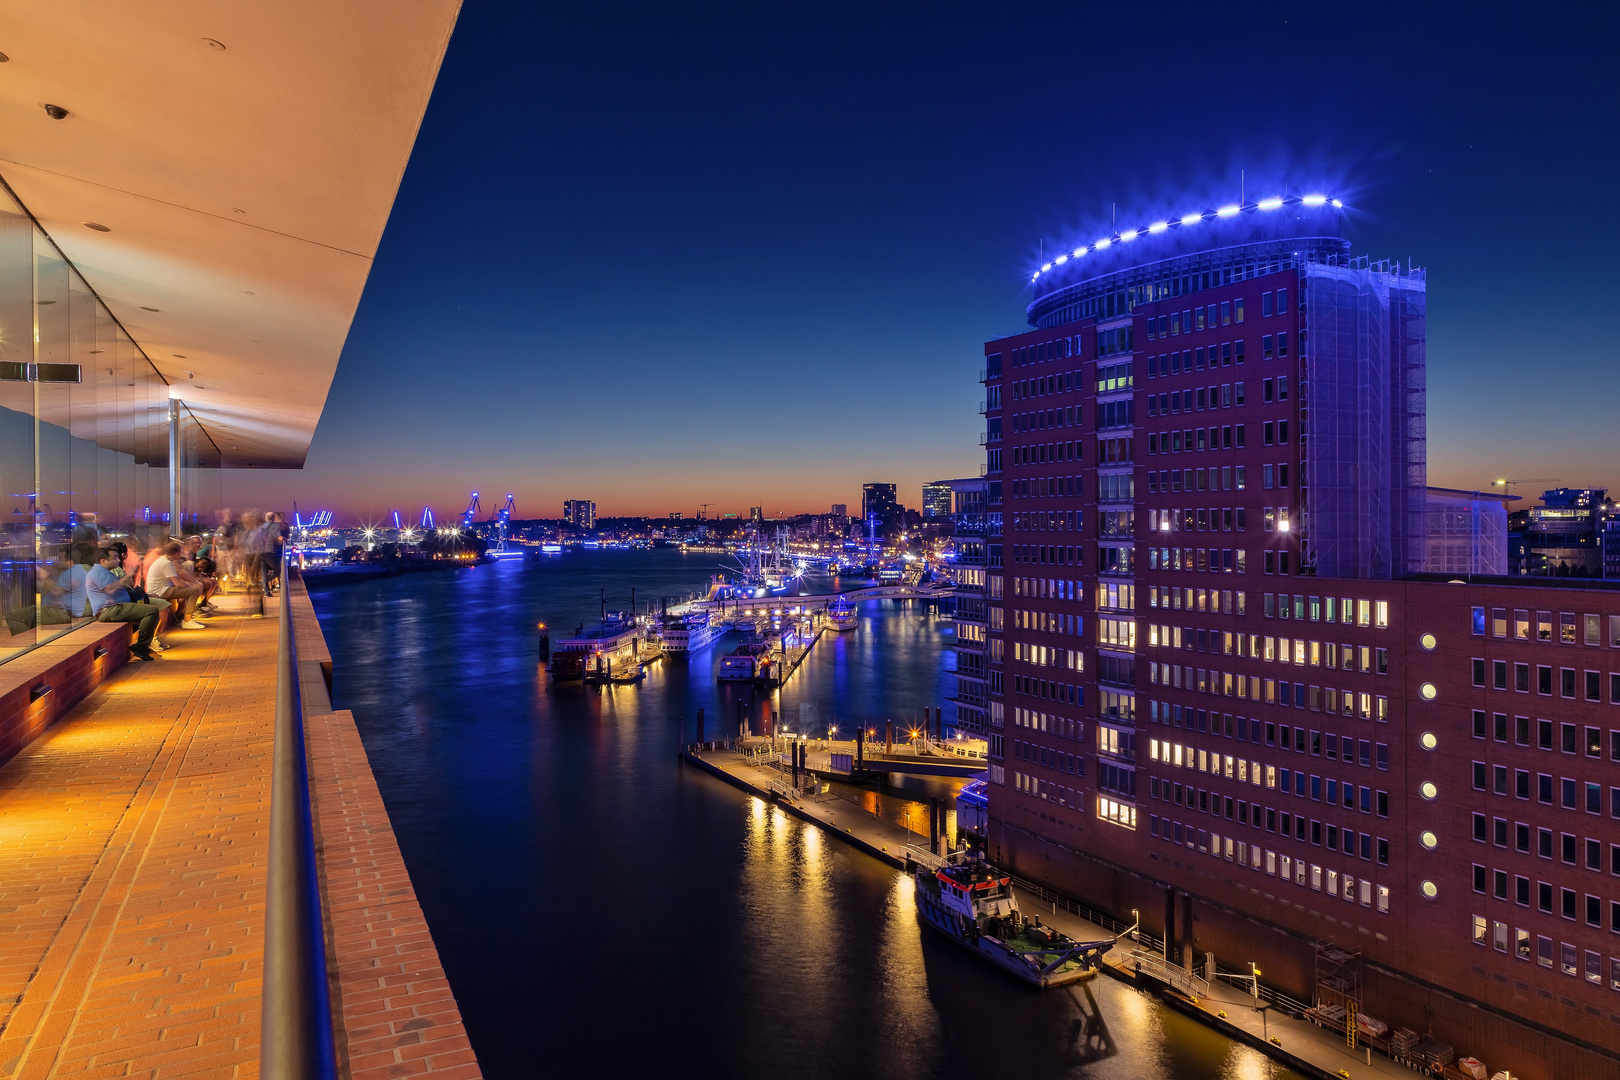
<point x="166" y="581"/>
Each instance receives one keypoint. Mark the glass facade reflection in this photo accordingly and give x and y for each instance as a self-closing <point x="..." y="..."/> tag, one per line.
<point x="84" y="437"/>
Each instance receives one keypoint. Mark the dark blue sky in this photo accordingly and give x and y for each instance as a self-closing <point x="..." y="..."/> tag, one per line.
<point x="659" y="255"/>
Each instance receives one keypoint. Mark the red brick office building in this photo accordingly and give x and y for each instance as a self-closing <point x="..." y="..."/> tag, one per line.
<point x="1222" y="692"/>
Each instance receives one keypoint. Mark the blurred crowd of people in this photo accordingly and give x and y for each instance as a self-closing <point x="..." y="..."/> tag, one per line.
<point x="170" y="584"/>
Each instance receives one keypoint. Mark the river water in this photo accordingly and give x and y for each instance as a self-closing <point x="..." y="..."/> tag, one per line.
<point x="602" y="911"/>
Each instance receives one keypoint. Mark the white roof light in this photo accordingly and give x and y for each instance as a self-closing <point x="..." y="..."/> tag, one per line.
<point x="1103" y="243"/>
<point x="1061" y="259"/>
<point x="1337" y="205"/>
<point x="1046" y="267"/>
<point x="1228" y="210"/>
<point x="1314" y="200"/>
<point x="1079" y="251"/>
<point x="1158" y="226"/>
<point x="1270" y="204"/>
<point x="1191" y="219"/>
<point x="1128" y="235"/>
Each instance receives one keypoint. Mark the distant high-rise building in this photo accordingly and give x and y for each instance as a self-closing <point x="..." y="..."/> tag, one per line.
<point x="840" y="510"/>
<point x="880" y="502"/>
<point x="580" y="513"/>
<point x="756" y="513"/>
<point x="936" y="499"/>
<point x="1563" y="537"/>
<point x="675" y="515"/>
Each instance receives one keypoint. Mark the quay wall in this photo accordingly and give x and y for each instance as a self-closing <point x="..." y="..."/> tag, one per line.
<point x="1287" y="958"/>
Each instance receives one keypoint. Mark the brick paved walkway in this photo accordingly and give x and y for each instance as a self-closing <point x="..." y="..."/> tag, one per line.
<point x="132" y="844"/>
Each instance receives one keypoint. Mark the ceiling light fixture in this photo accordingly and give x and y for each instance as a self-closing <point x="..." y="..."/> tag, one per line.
<point x="212" y="44"/>
<point x="55" y="112"/>
<point x="96" y="225"/>
<point x="145" y="308"/>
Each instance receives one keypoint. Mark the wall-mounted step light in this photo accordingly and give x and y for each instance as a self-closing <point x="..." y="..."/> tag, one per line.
<point x="38" y="692"/>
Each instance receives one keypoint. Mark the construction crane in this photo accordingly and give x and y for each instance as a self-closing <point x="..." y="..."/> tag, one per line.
<point x="467" y="514"/>
<point x="703" y="510"/>
<point x="1505" y="484"/>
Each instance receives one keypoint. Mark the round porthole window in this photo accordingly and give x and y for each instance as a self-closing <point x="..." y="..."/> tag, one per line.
<point x="1430" y="889"/>
<point x="1428" y="741"/>
<point x="1428" y="642"/>
<point x="1428" y="790"/>
<point x="1427" y="691"/>
<point x="1428" y="839"/>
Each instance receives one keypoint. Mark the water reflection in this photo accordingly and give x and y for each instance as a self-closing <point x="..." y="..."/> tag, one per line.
<point x="601" y="911"/>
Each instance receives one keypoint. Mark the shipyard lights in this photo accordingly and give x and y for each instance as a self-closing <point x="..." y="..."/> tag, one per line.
<point x="1230" y="210"/>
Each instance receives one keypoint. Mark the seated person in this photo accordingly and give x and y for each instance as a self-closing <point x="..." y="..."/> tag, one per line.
<point x="190" y="556"/>
<point x="111" y="603"/>
<point x="166" y="581"/>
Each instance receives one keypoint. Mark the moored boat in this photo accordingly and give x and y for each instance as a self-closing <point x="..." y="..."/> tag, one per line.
<point x="594" y="651"/>
<point x="972" y="903"/>
<point x="683" y="634"/>
<point x="842" y="614"/>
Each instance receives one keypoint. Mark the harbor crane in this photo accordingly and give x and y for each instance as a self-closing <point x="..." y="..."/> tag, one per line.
<point x="427" y="519"/>
<point x="1506" y="484"/>
<point x="703" y="510"/>
<point x="503" y="523"/>
<point x="467" y="514"/>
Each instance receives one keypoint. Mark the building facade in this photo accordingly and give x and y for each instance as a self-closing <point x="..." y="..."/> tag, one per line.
<point x="1207" y="417"/>
<point x="580" y="513"/>
<point x="938" y="499"/>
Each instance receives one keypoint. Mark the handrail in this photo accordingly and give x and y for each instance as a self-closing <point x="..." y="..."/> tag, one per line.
<point x="295" y="1029"/>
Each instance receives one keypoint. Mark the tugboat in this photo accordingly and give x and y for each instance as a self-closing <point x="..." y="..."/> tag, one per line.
<point x="972" y="904"/>
<point x="842" y="614"/>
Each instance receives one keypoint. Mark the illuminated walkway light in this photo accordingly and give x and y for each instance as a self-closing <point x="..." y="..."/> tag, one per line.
<point x="1314" y="200"/>
<point x="1191" y="219"/>
<point x="1102" y="244"/>
<point x="1270" y="204"/>
<point x="1128" y="235"/>
<point x="1228" y="210"/>
<point x="1158" y="226"/>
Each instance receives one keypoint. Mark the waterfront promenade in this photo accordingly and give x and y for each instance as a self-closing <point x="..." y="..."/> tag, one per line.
<point x="1300" y="1045"/>
<point x="133" y="836"/>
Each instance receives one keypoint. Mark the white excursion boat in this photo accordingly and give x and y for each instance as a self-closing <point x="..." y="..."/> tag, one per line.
<point x="682" y="634"/>
<point x="842" y="614"/>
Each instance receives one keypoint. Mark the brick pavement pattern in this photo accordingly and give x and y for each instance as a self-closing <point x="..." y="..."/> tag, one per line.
<point x="132" y="846"/>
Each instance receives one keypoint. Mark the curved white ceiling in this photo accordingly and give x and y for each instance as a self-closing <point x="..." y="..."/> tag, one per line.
<point x="245" y="158"/>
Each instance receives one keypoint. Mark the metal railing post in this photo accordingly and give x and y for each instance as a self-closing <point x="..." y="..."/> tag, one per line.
<point x="295" y="1029"/>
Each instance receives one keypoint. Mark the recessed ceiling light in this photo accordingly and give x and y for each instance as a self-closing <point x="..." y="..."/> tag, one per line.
<point x="3" y="58"/>
<point x="96" y="226"/>
<point x="212" y="44"/>
<point x="55" y="112"/>
<point x="145" y="308"/>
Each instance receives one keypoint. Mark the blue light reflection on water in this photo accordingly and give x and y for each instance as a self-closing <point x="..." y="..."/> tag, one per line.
<point x="600" y="910"/>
